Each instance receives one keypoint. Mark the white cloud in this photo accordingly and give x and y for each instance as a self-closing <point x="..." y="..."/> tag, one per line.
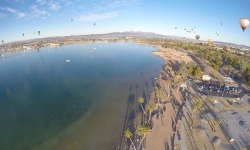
<point x="67" y="3"/>
<point x="54" y="6"/>
<point x="37" y="12"/>
<point x="93" y="17"/>
<point x="19" y="0"/>
<point x="11" y="10"/>
<point x="2" y="15"/>
<point x="21" y="14"/>
<point x="123" y="3"/>
<point x="41" y="2"/>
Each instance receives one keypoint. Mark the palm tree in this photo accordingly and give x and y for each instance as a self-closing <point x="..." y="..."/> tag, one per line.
<point x="141" y="100"/>
<point x="150" y="108"/>
<point x="195" y="97"/>
<point x="178" y="81"/>
<point x="197" y="105"/>
<point x="158" y="95"/>
<point x="169" y="82"/>
<point x="142" y="131"/>
<point x="218" y="120"/>
<point x="221" y="84"/>
<point x="128" y="134"/>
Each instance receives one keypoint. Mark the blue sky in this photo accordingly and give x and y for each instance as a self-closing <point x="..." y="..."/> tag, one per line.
<point x="53" y="18"/>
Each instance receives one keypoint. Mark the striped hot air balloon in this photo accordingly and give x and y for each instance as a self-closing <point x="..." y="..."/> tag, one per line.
<point x="244" y="23"/>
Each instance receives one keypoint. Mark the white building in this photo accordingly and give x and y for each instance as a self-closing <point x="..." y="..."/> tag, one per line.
<point x="227" y="79"/>
<point x="206" y="77"/>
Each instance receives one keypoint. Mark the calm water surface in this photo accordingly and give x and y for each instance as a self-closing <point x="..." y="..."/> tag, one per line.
<point x="46" y="103"/>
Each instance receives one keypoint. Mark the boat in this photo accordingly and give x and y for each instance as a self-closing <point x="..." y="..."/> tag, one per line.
<point x="67" y="60"/>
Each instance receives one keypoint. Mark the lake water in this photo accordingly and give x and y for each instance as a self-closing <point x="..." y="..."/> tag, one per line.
<point x="49" y="104"/>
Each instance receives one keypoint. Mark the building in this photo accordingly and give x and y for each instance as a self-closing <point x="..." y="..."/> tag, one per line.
<point x="206" y="77"/>
<point x="228" y="80"/>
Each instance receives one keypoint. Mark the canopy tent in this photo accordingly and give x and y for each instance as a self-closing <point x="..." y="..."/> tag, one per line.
<point x="215" y="102"/>
<point x="183" y="85"/>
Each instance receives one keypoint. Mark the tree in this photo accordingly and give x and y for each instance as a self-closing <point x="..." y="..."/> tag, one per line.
<point x="218" y="120"/>
<point x="128" y="134"/>
<point x="178" y="81"/>
<point x="197" y="105"/>
<point x="158" y="95"/>
<point x="141" y="100"/>
<point x="169" y="82"/>
<point x="195" y="97"/>
<point x="221" y="84"/>
<point x="142" y="131"/>
<point x="150" y="108"/>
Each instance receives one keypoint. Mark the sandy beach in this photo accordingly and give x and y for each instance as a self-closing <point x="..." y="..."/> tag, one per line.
<point x="162" y="135"/>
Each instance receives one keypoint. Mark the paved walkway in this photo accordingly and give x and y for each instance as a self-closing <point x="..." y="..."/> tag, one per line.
<point x="183" y="139"/>
<point x="212" y="138"/>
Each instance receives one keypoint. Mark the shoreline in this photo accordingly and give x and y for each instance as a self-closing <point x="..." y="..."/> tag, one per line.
<point x="158" y="131"/>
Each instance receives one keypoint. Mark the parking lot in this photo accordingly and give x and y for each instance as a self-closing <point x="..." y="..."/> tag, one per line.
<point x="238" y="124"/>
<point x="214" y="89"/>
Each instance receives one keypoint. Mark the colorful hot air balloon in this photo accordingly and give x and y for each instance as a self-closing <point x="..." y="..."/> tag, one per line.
<point x="197" y="37"/>
<point x="2" y="41"/>
<point x="210" y="41"/>
<point x="244" y="23"/>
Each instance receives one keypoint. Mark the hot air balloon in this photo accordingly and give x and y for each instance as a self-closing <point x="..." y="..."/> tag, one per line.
<point x="244" y="23"/>
<point x="175" y="27"/>
<point x="217" y="34"/>
<point x="94" y="24"/>
<point x="185" y="29"/>
<point x="192" y="29"/>
<point x="221" y="23"/>
<point x="210" y="41"/>
<point x="38" y="32"/>
<point x="71" y="19"/>
<point x="197" y="37"/>
<point x="2" y="41"/>
<point x="23" y="34"/>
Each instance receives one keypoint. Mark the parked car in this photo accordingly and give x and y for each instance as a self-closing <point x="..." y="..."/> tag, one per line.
<point x="242" y="123"/>
<point x="234" y="114"/>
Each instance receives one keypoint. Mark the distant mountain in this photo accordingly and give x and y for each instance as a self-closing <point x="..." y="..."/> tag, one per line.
<point x="123" y="34"/>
